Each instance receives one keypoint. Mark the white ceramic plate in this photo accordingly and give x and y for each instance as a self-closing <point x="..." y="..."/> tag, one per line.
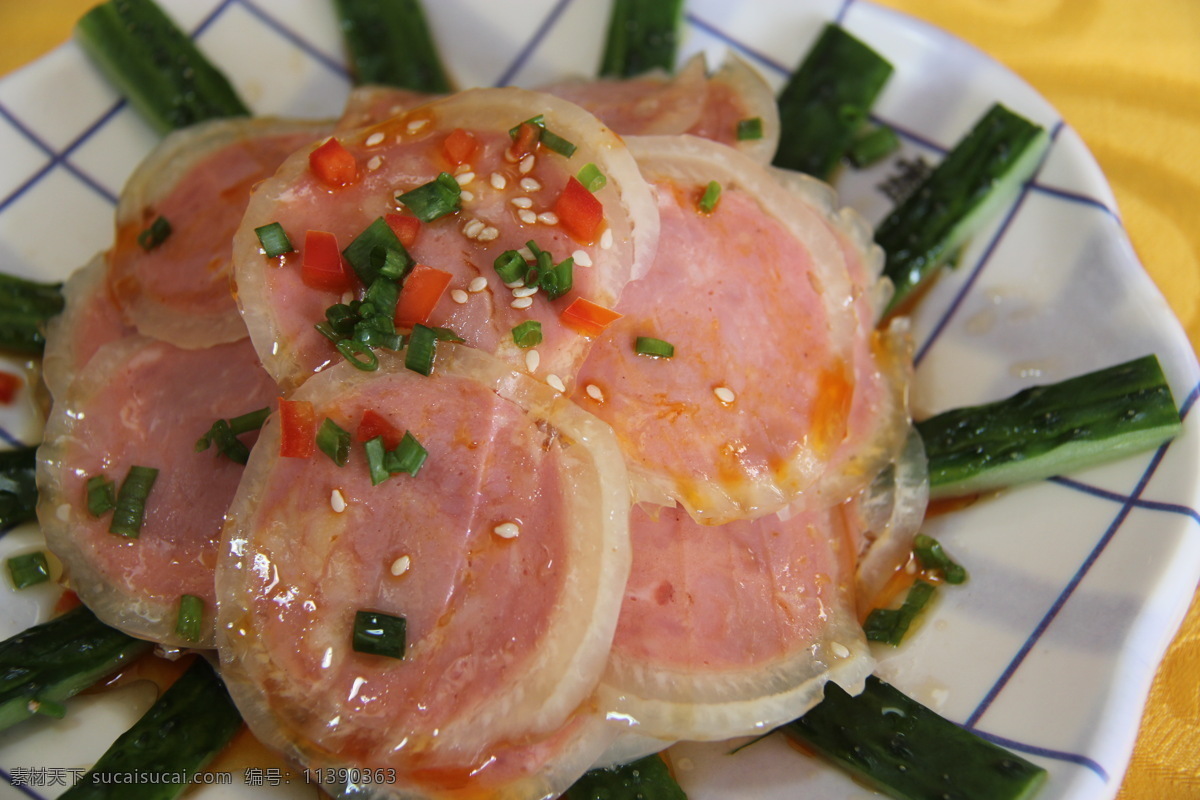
<point x="1077" y="584"/>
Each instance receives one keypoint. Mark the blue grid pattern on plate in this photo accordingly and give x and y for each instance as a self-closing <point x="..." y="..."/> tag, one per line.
<point x="61" y="159"/>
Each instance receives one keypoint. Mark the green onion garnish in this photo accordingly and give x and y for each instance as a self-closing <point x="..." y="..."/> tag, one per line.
<point x="334" y="441"/>
<point x="47" y="708"/>
<point x="101" y="495"/>
<point x="130" y="510"/>
<point x="29" y="569"/>
<point x="547" y="137"/>
<point x="591" y="177"/>
<point x="649" y="346"/>
<point x="528" y="334"/>
<point x="191" y="612"/>
<point x="712" y="193"/>
<point x="558" y="280"/>
<point x="361" y="356"/>
<point x="872" y="146"/>
<point x="749" y="129"/>
<point x="377" y="249"/>
<point x="408" y="456"/>
<point x="931" y="555"/>
<point x="446" y="335"/>
<point x="419" y="355"/>
<point x="439" y="197"/>
<point x="379" y="634"/>
<point x="224" y="433"/>
<point x="890" y="624"/>
<point x="154" y="235"/>
<point x="376" y="453"/>
<point x="510" y="266"/>
<point x="274" y="240"/>
<point x="382" y="294"/>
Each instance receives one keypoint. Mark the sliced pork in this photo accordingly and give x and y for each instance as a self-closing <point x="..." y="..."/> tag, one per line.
<point x="505" y="553"/>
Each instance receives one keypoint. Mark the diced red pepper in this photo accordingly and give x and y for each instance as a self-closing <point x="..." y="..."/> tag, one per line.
<point x="297" y="429"/>
<point x="587" y="317"/>
<point x="459" y="146"/>
<point x="322" y="265"/>
<point x="405" y="226"/>
<point x="333" y="164"/>
<point x="579" y="211"/>
<point x="526" y="141"/>
<point x="423" y="288"/>
<point x="9" y="386"/>
<point x="375" y="424"/>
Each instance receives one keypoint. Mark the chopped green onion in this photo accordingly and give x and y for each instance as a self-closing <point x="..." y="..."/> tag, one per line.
<point x="154" y="235"/>
<point x="274" y="240"/>
<point x="446" y="335"/>
<point x="130" y="510"/>
<point x="377" y="249"/>
<point x="546" y="136"/>
<point x="334" y="441"/>
<point x="191" y="613"/>
<point x="376" y="453"/>
<point x="538" y="122"/>
<point x="439" y="197"/>
<point x="358" y="354"/>
<point x="712" y="193"/>
<point x="379" y="634"/>
<point x="101" y="495"/>
<point x="872" y="146"/>
<point x="890" y="624"/>
<point x="932" y="556"/>
<point x="419" y="355"/>
<point x="408" y="456"/>
<point x="591" y="177"/>
<point x="250" y="421"/>
<point x="527" y="334"/>
<point x="558" y="280"/>
<point x="510" y="266"/>
<point x="47" y="708"/>
<point x="649" y="346"/>
<point x="382" y="294"/>
<point x="29" y="569"/>
<point x="749" y="129"/>
<point x="224" y="433"/>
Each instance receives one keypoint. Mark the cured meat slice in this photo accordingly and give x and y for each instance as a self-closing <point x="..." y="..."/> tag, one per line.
<point x="733" y="629"/>
<point x="689" y="101"/>
<point x="90" y="319"/>
<point x="370" y="105"/>
<point x="509" y="200"/>
<point x="199" y="181"/>
<point x="142" y="402"/>
<point x="757" y="299"/>
<point x="506" y="554"/>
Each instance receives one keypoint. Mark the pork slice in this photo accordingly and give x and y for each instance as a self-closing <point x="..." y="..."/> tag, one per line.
<point x="198" y="180"/>
<point x="144" y="402"/>
<point x="506" y="554"/>
<point x="405" y="152"/>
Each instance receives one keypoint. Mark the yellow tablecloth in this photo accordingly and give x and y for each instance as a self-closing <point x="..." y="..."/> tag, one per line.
<point x="1126" y="75"/>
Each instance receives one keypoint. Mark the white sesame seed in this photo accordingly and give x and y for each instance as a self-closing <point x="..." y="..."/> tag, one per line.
<point x="548" y="218"/>
<point x="593" y="391"/>
<point x="63" y="512"/>
<point x="522" y="302"/>
<point x="527" y="216"/>
<point x="464" y="178"/>
<point x="416" y="125"/>
<point x="555" y="383"/>
<point x="514" y="284"/>
<point x="582" y="258"/>
<point x="401" y="565"/>
<point x="533" y="360"/>
<point x="337" y="501"/>
<point x="477" y="284"/>
<point x="606" y="239"/>
<point x="507" y="530"/>
<point x="488" y="234"/>
<point x="499" y="181"/>
<point x="458" y="296"/>
<point x="526" y="165"/>
<point x="472" y="228"/>
<point x="524" y="291"/>
<point x="466" y="196"/>
<point x="530" y="184"/>
<point x="522" y="202"/>
<point x="462" y="169"/>
<point x="840" y="650"/>
<point x="724" y="394"/>
<point x="374" y="139"/>
<point x="524" y="252"/>
<point x="375" y="163"/>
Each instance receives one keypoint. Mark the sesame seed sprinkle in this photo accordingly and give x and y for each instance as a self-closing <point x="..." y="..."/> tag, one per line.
<point x="337" y="501"/>
<point x="531" y="185"/>
<point x="477" y="284"/>
<point x="507" y="530"/>
<point x="416" y="125"/>
<point x="527" y="216"/>
<point x="606" y="239"/>
<point x="488" y="234"/>
<point x="840" y="650"/>
<point x="473" y="227"/>
<point x="375" y="163"/>
<point x="524" y="291"/>
<point x="514" y="284"/>
<point x="464" y="178"/>
<point x="582" y="258"/>
<point x="375" y="139"/>
<point x="522" y="202"/>
<point x="555" y="383"/>
<point x="533" y="360"/>
<point x="499" y="181"/>
<point x="466" y="196"/>
<point x="548" y="218"/>
<point x="526" y="165"/>
<point x="593" y="391"/>
<point x="401" y="565"/>
<point x="724" y="394"/>
<point x="522" y="302"/>
<point x="458" y="296"/>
